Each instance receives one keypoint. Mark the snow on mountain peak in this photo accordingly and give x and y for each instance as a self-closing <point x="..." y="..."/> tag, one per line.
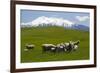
<point x="43" y="20"/>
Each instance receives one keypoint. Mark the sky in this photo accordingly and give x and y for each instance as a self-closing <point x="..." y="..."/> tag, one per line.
<point x="76" y="17"/>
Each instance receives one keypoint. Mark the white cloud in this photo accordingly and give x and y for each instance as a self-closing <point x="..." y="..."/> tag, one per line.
<point x="82" y="18"/>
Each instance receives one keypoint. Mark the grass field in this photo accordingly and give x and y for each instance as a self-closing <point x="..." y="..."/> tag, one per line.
<point x="54" y="35"/>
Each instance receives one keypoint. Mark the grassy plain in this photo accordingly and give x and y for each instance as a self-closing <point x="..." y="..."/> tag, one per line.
<point x="53" y="35"/>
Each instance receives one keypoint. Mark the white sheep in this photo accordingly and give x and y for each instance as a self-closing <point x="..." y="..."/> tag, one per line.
<point x="29" y="46"/>
<point x="48" y="47"/>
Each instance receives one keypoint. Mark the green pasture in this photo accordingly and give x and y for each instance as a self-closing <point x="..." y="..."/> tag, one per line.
<point x="53" y="35"/>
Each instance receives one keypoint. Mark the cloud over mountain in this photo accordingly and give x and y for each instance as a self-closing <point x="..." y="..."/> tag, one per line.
<point x="82" y="18"/>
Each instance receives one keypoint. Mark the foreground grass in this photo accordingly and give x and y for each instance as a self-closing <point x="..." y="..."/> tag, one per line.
<point x="54" y="35"/>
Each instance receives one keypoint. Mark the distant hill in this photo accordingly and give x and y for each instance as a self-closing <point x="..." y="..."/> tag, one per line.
<point x="80" y="27"/>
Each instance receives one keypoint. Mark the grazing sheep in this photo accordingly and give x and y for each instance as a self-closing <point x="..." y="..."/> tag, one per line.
<point x="75" y="47"/>
<point x="48" y="47"/>
<point x="60" y="48"/>
<point x="77" y="42"/>
<point x="66" y="46"/>
<point x="71" y="46"/>
<point x="29" y="47"/>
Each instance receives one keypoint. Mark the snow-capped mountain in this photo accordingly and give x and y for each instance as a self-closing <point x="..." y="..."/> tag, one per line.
<point x="45" y="21"/>
<point x="52" y="21"/>
<point x="29" y="24"/>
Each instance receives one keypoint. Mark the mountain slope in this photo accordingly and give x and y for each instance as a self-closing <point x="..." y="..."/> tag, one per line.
<point x="52" y="21"/>
<point x="80" y="27"/>
<point x="45" y="21"/>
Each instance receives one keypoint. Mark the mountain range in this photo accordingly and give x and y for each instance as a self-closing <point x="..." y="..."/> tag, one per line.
<point x="53" y="21"/>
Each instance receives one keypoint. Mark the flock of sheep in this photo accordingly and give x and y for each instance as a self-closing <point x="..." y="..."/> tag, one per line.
<point x="62" y="47"/>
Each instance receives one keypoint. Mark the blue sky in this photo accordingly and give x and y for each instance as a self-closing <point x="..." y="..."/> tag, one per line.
<point x="78" y="18"/>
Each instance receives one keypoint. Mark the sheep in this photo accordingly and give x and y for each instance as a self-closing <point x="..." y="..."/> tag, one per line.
<point x="77" y="42"/>
<point x="65" y="47"/>
<point x="75" y="47"/>
<point x="60" y="48"/>
<point x="29" y="47"/>
<point x="71" y="46"/>
<point x="48" y="48"/>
